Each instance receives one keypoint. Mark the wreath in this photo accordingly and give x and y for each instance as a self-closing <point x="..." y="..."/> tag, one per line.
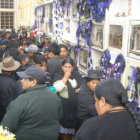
<point x="133" y="89"/>
<point x="105" y="64"/>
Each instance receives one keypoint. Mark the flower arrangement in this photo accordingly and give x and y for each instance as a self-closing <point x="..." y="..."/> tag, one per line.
<point x="6" y="135"/>
<point x="68" y="29"/>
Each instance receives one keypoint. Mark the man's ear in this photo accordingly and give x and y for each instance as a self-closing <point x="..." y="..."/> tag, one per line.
<point x="102" y="101"/>
<point x="34" y="82"/>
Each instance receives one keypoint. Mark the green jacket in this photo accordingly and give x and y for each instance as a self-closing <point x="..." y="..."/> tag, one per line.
<point x="34" y="115"/>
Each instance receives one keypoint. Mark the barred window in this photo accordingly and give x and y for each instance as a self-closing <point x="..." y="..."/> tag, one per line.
<point x="8" y="4"/>
<point x="7" y="20"/>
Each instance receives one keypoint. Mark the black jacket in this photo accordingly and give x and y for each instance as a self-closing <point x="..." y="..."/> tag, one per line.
<point x="69" y="118"/>
<point x="54" y="65"/>
<point x="9" y="90"/>
<point x="86" y="103"/>
<point x="109" y="126"/>
<point x="23" y="68"/>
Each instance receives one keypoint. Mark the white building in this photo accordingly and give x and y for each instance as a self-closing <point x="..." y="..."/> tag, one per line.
<point x="119" y="33"/>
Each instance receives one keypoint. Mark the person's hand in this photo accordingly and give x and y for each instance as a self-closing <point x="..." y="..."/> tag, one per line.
<point x="67" y="74"/>
<point x="77" y="90"/>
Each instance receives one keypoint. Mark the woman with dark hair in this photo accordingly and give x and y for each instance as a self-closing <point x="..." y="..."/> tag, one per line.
<point x="67" y="83"/>
<point x="86" y="101"/>
<point x="117" y="119"/>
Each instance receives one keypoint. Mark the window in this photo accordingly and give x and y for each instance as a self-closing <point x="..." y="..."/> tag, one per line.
<point x="83" y="59"/>
<point x="135" y="37"/>
<point x="7" y="20"/>
<point x="8" y="4"/>
<point x="116" y="36"/>
<point x="97" y="35"/>
<point x="74" y="9"/>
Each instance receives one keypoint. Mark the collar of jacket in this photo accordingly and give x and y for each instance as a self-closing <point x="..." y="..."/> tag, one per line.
<point x="6" y="75"/>
<point x="35" y="87"/>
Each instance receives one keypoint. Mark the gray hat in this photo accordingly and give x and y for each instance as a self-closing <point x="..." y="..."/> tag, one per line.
<point x="33" y="72"/>
<point x="9" y="64"/>
<point x="32" y="48"/>
<point x="94" y="74"/>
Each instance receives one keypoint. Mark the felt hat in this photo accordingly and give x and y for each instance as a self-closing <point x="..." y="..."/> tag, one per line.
<point x="93" y="74"/>
<point x="9" y="64"/>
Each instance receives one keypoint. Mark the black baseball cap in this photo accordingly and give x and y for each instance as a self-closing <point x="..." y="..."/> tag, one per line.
<point x="33" y="72"/>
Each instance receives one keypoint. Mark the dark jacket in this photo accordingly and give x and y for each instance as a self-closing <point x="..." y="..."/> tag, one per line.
<point x="86" y="103"/>
<point x="69" y="118"/>
<point x="109" y="126"/>
<point x="54" y="65"/>
<point x="23" y="68"/>
<point x="34" y="115"/>
<point x="8" y="92"/>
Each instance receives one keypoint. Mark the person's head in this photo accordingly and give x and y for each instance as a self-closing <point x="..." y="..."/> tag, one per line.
<point x="9" y="64"/>
<point x="40" y="61"/>
<point x="67" y="64"/>
<point x="23" y="59"/>
<point x="12" y="44"/>
<point x="32" y="76"/>
<point x="63" y="51"/>
<point x="47" y="40"/>
<point x="4" y="44"/>
<point x="93" y="78"/>
<point x="13" y="52"/>
<point x="53" y="50"/>
<point x="13" y="37"/>
<point x="26" y="44"/>
<point x="7" y="35"/>
<point x="31" y="50"/>
<point x="109" y="94"/>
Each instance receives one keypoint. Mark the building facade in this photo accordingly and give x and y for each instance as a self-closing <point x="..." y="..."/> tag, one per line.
<point x="26" y="12"/>
<point x="7" y="14"/>
<point x="118" y="32"/>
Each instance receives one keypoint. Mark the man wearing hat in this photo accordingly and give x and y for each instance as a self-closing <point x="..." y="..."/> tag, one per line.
<point x="34" y="115"/>
<point x="9" y="88"/>
<point x="86" y="108"/>
<point x="31" y="51"/>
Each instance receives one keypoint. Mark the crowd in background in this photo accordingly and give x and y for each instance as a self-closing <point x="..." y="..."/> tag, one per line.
<point x="44" y="96"/>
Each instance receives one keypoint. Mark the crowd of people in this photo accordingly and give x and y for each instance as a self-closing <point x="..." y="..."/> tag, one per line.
<point x="43" y="95"/>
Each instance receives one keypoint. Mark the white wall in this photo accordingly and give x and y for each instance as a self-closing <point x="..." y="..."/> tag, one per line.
<point x="127" y="13"/>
